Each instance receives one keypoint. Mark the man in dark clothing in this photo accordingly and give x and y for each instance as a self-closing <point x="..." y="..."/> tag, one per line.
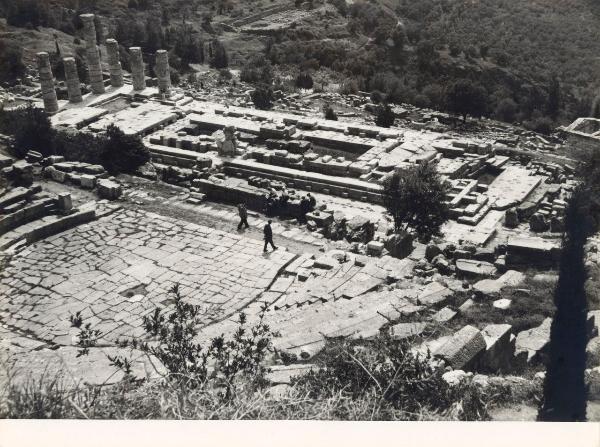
<point x="304" y="207"/>
<point x="283" y="201"/>
<point x="312" y="201"/>
<point x="268" y="236"/>
<point x="243" y="212"/>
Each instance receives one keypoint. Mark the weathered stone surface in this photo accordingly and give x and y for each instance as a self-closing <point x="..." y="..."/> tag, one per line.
<point x="502" y="303"/>
<point x="532" y="251"/>
<point x="399" y="245"/>
<point x="538" y="223"/>
<point x="593" y="352"/>
<point x="107" y="189"/>
<point x="360" y="229"/>
<point x="486" y="288"/>
<point x="499" y="349"/>
<point x="138" y="75"/>
<point x="511" y="218"/>
<point x="444" y="315"/>
<point x="433" y="294"/>
<point x="322" y="219"/>
<point x="65" y="203"/>
<point x="47" y="83"/>
<point x="557" y="225"/>
<point x="88" y="181"/>
<point x="464" y="349"/>
<point x="72" y="370"/>
<point x="92" y="54"/>
<point x="72" y="80"/>
<point x="375" y="248"/>
<point x="466" y="306"/>
<point x="325" y="262"/>
<point x="281" y="374"/>
<point x="117" y="269"/>
<point x="534" y="341"/>
<point x="473" y="268"/>
<point x="592" y="380"/>
<point x="431" y="251"/>
<point x="456" y="376"/>
<point x="407" y="330"/>
<point x="114" y="65"/>
<point x="163" y="72"/>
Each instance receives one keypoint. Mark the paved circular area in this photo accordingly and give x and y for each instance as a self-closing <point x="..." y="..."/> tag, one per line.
<point x="119" y="268"/>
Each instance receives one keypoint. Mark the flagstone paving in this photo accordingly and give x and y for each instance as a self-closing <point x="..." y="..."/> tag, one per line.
<point x="119" y="268"/>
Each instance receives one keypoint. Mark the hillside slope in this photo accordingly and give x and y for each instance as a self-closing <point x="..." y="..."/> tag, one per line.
<point x="514" y="48"/>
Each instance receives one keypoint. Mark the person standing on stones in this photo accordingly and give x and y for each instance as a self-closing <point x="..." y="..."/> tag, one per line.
<point x="304" y="207"/>
<point x="268" y="236"/>
<point x="243" y="212"/>
<point x="312" y="201"/>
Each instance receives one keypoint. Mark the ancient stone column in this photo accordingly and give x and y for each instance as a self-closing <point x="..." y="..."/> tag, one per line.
<point x="114" y="66"/>
<point x="72" y="79"/>
<point x="137" y="68"/>
<point x="92" y="54"/>
<point x="47" y="82"/>
<point x="162" y="71"/>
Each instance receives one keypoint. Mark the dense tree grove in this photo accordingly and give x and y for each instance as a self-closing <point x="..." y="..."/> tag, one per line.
<point x="465" y="98"/>
<point x="11" y="61"/>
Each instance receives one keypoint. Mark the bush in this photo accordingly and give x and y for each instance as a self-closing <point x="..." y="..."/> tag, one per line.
<point x="257" y="70"/>
<point x="388" y="372"/>
<point x="220" y="365"/>
<point x="262" y="97"/>
<point x="385" y="116"/>
<point x="542" y="125"/>
<point x="304" y="80"/>
<point x="416" y="198"/>
<point x="123" y="153"/>
<point x="218" y="57"/>
<point x="349" y="87"/>
<point x="80" y="146"/>
<point x="329" y="113"/>
<point x="377" y="97"/>
<point x="506" y="110"/>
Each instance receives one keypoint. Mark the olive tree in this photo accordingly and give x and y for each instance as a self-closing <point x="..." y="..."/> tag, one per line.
<point x="416" y="198"/>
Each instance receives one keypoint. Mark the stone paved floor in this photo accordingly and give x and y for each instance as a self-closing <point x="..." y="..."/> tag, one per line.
<point x="117" y="269"/>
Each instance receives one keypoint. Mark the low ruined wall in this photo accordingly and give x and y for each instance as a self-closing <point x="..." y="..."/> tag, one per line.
<point x="253" y="199"/>
<point x="62" y="224"/>
<point x="24" y="215"/>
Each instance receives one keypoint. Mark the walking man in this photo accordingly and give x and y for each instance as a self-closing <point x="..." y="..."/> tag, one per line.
<point x="243" y="212"/>
<point x="268" y="236"/>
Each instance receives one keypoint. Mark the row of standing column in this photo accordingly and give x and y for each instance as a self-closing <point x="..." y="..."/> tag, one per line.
<point x="95" y="69"/>
<point x="116" y="74"/>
